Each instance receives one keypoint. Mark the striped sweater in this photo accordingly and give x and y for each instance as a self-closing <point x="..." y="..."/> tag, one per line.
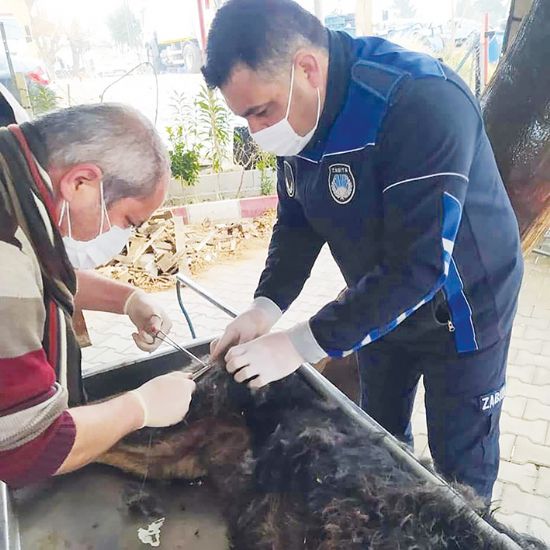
<point x="39" y="361"/>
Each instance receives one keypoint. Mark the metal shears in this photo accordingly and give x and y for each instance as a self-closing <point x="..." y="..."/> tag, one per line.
<point x="205" y="367"/>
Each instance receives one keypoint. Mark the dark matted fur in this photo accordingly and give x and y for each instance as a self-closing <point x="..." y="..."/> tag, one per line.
<point x="294" y="472"/>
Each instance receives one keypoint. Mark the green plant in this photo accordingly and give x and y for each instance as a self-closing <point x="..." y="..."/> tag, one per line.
<point x="43" y="99"/>
<point x="183" y="113"/>
<point x="184" y="159"/>
<point x="266" y="164"/>
<point x="213" y="127"/>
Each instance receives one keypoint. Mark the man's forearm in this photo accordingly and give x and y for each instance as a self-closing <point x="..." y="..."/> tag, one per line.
<point x="99" y="427"/>
<point x="98" y="293"/>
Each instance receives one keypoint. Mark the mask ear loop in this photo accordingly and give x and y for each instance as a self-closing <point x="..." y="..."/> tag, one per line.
<point x="65" y="208"/>
<point x="290" y="93"/>
<point x="104" y="213"/>
<point x="318" y="107"/>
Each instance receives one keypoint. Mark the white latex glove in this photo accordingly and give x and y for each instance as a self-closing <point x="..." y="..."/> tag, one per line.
<point x="148" y="317"/>
<point x="252" y="323"/>
<point x="165" y="399"/>
<point x="269" y="358"/>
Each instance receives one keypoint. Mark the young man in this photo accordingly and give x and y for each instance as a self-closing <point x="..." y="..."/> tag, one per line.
<point x="383" y="156"/>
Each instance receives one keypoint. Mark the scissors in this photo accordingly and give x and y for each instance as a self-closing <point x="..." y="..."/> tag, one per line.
<point x="205" y="367"/>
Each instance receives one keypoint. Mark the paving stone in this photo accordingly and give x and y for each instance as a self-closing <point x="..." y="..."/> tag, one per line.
<point x="516" y="501"/>
<point x="525" y="357"/>
<point x="117" y="341"/>
<point x="420" y="445"/>
<point x="534" y="429"/>
<point x="540" y="529"/>
<point x="535" y="333"/>
<point x="518" y="331"/>
<point x="534" y="410"/>
<point x="519" y="522"/>
<point x="107" y="359"/>
<point x="540" y="312"/>
<point x="527" y="451"/>
<point x="546" y="349"/>
<point x="507" y="443"/>
<point x="515" y="406"/>
<point x="528" y="296"/>
<point x="542" y="377"/>
<point x="524" y="373"/>
<point x="516" y="388"/>
<point x="533" y="346"/>
<point x="523" y="475"/>
<point x="498" y="488"/>
<point x="512" y="353"/>
<point x="91" y="354"/>
<point x="530" y="322"/>
<point x="543" y="482"/>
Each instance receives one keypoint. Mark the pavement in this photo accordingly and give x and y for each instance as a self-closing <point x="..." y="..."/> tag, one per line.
<point x="522" y="492"/>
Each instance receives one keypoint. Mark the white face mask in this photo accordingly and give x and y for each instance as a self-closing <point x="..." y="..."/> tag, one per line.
<point x="281" y="138"/>
<point x="99" y="250"/>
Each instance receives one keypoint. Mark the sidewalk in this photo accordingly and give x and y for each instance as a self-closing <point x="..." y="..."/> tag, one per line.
<point x="522" y="492"/>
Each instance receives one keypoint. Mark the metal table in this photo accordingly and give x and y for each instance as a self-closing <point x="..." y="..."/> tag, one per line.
<point x="83" y="510"/>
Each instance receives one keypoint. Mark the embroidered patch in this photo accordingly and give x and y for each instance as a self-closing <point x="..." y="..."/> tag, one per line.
<point x="289" y="179"/>
<point x="489" y="401"/>
<point x="341" y="183"/>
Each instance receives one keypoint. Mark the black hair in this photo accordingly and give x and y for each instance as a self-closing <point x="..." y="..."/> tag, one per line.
<point x="259" y="34"/>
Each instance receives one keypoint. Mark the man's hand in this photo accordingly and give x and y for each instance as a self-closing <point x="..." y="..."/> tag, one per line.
<point x="148" y="317"/>
<point x="266" y="359"/>
<point x="165" y="399"/>
<point x="254" y="322"/>
<point x="162" y="401"/>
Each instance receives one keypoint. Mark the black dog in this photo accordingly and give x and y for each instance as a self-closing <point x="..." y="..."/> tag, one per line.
<point x="295" y="473"/>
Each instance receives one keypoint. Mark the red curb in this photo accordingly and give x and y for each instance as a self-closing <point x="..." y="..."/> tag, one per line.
<point x="181" y="211"/>
<point x="256" y="206"/>
<point x="250" y="207"/>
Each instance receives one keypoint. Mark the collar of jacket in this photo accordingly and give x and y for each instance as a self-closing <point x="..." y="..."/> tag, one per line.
<point x="36" y="143"/>
<point x="339" y="75"/>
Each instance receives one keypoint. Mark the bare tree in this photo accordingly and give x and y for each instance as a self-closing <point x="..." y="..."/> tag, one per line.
<point x="79" y="44"/>
<point x="48" y="37"/>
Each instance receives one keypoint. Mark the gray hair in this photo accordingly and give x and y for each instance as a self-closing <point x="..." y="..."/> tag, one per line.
<point x="115" y="137"/>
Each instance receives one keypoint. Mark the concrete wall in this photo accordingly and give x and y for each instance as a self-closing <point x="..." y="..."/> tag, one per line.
<point x="211" y="187"/>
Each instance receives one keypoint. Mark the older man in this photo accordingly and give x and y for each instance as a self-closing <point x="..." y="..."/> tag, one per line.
<point x="382" y="155"/>
<point x="73" y="184"/>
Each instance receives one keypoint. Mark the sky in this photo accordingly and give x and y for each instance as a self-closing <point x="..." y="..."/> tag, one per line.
<point x="93" y="13"/>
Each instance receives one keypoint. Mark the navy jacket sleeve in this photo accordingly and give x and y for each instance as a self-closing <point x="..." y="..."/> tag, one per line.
<point x="293" y="249"/>
<point x="425" y="151"/>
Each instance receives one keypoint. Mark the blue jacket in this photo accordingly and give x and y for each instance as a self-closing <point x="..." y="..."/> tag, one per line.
<point x="400" y="180"/>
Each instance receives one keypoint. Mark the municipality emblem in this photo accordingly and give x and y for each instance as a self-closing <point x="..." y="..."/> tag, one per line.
<point x="341" y="183"/>
<point x="289" y="179"/>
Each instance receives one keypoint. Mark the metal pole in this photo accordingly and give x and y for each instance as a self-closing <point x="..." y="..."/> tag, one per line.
<point x="329" y="391"/>
<point x="485" y="50"/>
<point x="187" y="281"/>
<point x="15" y="89"/>
<point x="478" y="69"/>
<point x="9" y="529"/>
<point x="202" y="25"/>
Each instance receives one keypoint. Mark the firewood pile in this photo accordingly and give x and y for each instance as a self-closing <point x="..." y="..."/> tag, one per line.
<point x="164" y="245"/>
